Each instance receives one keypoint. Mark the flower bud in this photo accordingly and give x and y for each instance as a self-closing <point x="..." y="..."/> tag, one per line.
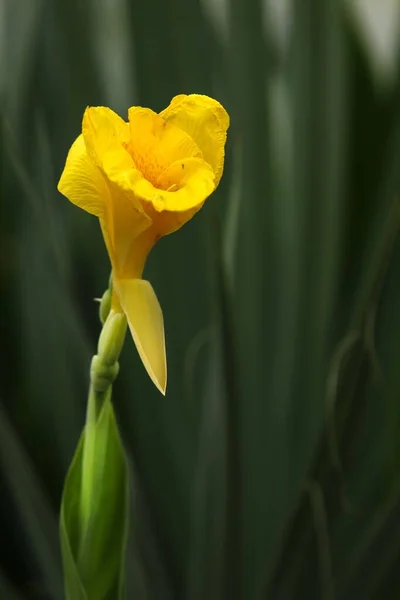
<point x="102" y="374"/>
<point x="112" y="337"/>
<point x="105" y="306"/>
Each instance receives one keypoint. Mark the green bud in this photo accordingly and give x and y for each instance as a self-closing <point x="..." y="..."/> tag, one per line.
<point x="112" y="338"/>
<point x="105" y="306"/>
<point x="102" y="375"/>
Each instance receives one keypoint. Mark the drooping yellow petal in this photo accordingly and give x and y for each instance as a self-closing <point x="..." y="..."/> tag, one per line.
<point x="155" y="144"/>
<point x="206" y="122"/>
<point x="145" y="319"/>
<point x="82" y="182"/>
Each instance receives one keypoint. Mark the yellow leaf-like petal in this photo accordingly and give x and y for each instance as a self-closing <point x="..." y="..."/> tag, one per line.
<point x="145" y="319"/>
<point x="82" y="182"/>
<point x="206" y="122"/>
<point x="155" y="144"/>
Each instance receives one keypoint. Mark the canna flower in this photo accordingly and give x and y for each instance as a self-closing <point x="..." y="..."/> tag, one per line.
<point x="144" y="179"/>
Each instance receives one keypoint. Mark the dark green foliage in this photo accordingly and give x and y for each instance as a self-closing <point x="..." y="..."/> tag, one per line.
<point x="271" y="468"/>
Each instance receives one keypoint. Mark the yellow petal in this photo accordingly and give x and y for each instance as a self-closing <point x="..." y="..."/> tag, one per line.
<point x="206" y="121"/>
<point x="190" y="182"/>
<point x="194" y="183"/>
<point x="124" y="218"/>
<point x="155" y="144"/>
<point x="145" y="319"/>
<point x="82" y="182"/>
<point x="105" y="134"/>
<point x="124" y="227"/>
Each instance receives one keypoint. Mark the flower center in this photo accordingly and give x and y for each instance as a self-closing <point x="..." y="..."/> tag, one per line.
<point x="156" y="170"/>
<point x="147" y="162"/>
<point x="158" y="148"/>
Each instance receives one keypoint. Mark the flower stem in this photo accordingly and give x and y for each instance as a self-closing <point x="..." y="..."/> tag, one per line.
<point x="87" y="496"/>
<point x="104" y="370"/>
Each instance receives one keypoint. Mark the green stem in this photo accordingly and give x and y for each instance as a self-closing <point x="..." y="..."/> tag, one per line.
<point x="104" y="369"/>
<point x="96" y="400"/>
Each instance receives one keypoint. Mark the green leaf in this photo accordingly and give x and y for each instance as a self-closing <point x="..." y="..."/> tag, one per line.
<point x="94" y="556"/>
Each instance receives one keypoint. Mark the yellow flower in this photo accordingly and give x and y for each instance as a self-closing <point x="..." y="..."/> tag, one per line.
<point x="145" y="179"/>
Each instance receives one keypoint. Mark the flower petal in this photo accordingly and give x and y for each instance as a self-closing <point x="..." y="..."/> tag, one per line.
<point x="145" y="319"/>
<point x="155" y="144"/>
<point x="125" y="226"/>
<point x="190" y="182"/>
<point x="124" y="218"/>
<point x="196" y="183"/>
<point x="105" y="134"/>
<point x="206" y="121"/>
<point x="82" y="182"/>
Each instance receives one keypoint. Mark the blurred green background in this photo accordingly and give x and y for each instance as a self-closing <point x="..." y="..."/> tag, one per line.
<point x="271" y="470"/>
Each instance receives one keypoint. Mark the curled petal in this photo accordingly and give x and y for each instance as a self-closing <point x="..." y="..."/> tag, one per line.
<point x="82" y="182"/>
<point x="189" y="182"/>
<point x="145" y="319"/>
<point x="206" y="122"/>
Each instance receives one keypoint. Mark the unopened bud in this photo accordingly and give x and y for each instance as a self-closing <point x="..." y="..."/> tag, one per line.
<point x="112" y="337"/>
<point x="105" y="306"/>
<point x="102" y="374"/>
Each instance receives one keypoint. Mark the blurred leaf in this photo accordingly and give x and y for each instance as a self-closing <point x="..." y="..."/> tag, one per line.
<point x="7" y="592"/>
<point x="379" y="31"/>
<point x="311" y="258"/>
<point x="147" y="575"/>
<point x="38" y="519"/>
<point x="214" y="568"/>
